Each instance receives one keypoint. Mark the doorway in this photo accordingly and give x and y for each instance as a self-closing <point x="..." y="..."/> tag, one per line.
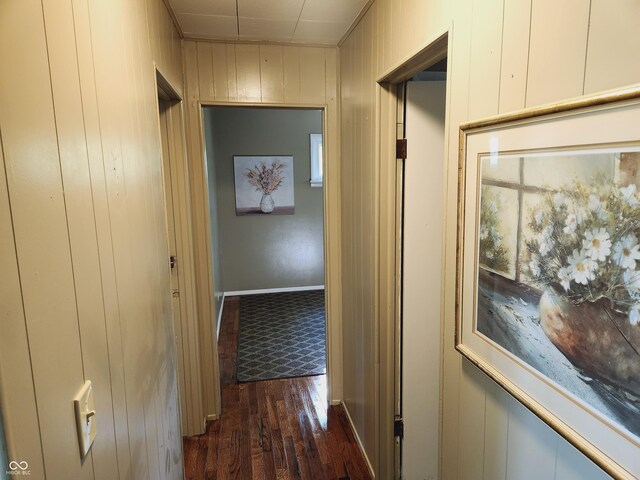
<point x="266" y="210"/>
<point x="180" y="254"/>
<point x="423" y="231"/>
<point x="404" y="362"/>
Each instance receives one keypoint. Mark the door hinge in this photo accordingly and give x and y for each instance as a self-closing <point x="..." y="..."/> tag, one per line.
<point x="172" y="261"/>
<point x="401" y="149"/>
<point x="398" y="427"/>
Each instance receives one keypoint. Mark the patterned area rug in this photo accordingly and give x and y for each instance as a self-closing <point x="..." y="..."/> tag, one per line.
<point x="281" y="335"/>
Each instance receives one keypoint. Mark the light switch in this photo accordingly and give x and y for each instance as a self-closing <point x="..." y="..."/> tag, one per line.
<point x="85" y="417"/>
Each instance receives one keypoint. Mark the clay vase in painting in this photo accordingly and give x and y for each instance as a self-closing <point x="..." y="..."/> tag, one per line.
<point x="595" y="338"/>
<point x="266" y="203"/>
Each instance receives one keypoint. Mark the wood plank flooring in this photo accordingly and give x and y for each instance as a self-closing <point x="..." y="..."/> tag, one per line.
<point x="302" y="438"/>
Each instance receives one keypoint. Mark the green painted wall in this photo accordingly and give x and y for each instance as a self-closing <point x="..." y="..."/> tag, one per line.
<point x="265" y="251"/>
<point x="218" y="284"/>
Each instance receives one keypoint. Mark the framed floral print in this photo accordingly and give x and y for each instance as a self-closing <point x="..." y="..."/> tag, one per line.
<point x="548" y="275"/>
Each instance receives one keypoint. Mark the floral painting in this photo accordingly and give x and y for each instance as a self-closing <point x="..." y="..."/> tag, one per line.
<point x="559" y="272"/>
<point x="264" y="185"/>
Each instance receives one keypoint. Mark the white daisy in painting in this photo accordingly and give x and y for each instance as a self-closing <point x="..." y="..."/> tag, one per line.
<point x="534" y="267"/>
<point x="544" y="239"/>
<point x="581" y="267"/>
<point x="627" y="251"/>
<point x="559" y="200"/>
<point x="631" y="280"/>
<point x="630" y="195"/>
<point x="564" y="275"/>
<point x="570" y="224"/>
<point x="634" y="315"/>
<point x="539" y="218"/>
<point x="596" y="244"/>
<point x="597" y="207"/>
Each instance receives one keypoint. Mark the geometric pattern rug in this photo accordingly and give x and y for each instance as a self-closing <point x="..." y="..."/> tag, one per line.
<point x="281" y="335"/>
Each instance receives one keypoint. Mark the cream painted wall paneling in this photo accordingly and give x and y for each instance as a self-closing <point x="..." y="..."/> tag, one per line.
<point x="86" y="80"/>
<point x="613" y="44"/>
<point x="555" y="49"/>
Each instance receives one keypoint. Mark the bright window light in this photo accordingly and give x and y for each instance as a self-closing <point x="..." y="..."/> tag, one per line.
<point x="315" y="142"/>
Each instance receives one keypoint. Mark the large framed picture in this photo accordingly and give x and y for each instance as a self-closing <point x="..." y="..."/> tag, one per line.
<point x="264" y="185"/>
<point x="548" y="274"/>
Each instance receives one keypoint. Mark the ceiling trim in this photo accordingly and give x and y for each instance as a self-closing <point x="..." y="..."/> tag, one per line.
<point x="174" y="18"/>
<point x="362" y="13"/>
<point x="195" y="38"/>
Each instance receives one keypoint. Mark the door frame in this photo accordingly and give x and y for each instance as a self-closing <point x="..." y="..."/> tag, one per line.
<point x="390" y="115"/>
<point x="188" y="369"/>
<point x="332" y="247"/>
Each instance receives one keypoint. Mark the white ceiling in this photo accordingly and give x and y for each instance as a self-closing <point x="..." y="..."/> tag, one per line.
<point x="291" y="21"/>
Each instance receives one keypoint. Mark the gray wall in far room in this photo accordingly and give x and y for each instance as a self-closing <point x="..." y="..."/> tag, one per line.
<point x="265" y="251"/>
<point x="218" y="283"/>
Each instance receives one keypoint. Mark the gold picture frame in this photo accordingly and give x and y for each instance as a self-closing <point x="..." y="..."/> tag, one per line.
<point x="549" y="232"/>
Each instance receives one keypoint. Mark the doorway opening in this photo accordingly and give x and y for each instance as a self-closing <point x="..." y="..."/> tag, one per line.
<point x="413" y="131"/>
<point x="423" y="206"/>
<point x="180" y="253"/>
<point x="266" y="207"/>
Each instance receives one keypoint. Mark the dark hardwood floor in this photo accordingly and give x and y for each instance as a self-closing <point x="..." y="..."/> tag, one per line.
<point x="302" y="438"/>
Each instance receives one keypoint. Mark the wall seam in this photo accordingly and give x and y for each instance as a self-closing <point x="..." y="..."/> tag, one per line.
<point x="24" y="312"/>
<point x="95" y="227"/>
<point x="586" y="49"/>
<point x="526" y="83"/>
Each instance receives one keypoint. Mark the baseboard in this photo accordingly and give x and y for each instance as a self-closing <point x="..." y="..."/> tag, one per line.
<point x="333" y="403"/>
<point x="220" y="317"/>
<point x="355" y="434"/>
<point x="212" y="417"/>
<point x="273" y="290"/>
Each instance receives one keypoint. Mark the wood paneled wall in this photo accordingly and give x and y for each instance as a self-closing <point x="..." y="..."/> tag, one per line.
<point x="85" y="292"/>
<point x="503" y="55"/>
<point x="261" y="75"/>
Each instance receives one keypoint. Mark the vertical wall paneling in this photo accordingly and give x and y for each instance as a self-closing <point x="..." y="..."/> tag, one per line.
<point x="503" y="55"/>
<point x="496" y="432"/>
<point x="572" y="465"/>
<point x="248" y="73"/>
<point x="261" y="74"/>
<point x="271" y="74"/>
<point x="82" y="203"/>
<point x="208" y="375"/>
<point x="312" y="75"/>
<point x="220" y="72"/>
<point x="486" y="50"/>
<point x="73" y="152"/>
<point x="332" y="198"/>
<point x="613" y="40"/>
<point x="515" y="54"/>
<point x="291" y="74"/>
<point x="232" y="72"/>
<point x="37" y="213"/>
<point x="205" y="71"/>
<point x="103" y="233"/>
<point x="531" y="452"/>
<point x="557" y="50"/>
<point x="19" y="408"/>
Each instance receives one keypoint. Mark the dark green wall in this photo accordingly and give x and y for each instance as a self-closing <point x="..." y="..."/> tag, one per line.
<point x="265" y="251"/>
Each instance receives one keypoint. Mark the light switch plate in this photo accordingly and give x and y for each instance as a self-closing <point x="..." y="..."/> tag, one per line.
<point x="85" y="418"/>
